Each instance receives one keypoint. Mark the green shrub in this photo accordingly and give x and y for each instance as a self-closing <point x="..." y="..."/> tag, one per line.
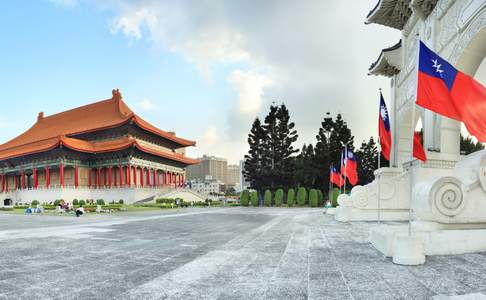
<point x="100" y="202"/>
<point x="6" y="208"/>
<point x="245" y="198"/>
<point x="57" y="202"/>
<point x="254" y="198"/>
<point x="335" y="194"/>
<point x="82" y="202"/>
<point x="279" y="197"/>
<point x="301" y="196"/>
<point x="75" y="202"/>
<point x="290" y="197"/>
<point x="165" y="200"/>
<point x="120" y="201"/>
<point x="267" y="198"/>
<point x="313" y="198"/>
<point x="320" y="198"/>
<point x="34" y="203"/>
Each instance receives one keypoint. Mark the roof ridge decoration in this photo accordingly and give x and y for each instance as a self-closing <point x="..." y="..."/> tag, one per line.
<point x="92" y="117"/>
<point x="388" y="63"/>
<point x="391" y="13"/>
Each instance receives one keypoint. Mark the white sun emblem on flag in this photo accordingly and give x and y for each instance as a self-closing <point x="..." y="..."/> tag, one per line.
<point x="437" y="66"/>
<point x="384" y="114"/>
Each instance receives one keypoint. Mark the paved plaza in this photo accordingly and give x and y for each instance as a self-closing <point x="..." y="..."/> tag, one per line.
<point x="217" y="253"/>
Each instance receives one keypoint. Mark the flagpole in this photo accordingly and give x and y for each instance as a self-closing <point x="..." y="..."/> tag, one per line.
<point x="330" y="194"/>
<point x="345" y="166"/>
<point x="411" y="149"/>
<point x="379" y="181"/>
<point x="341" y="171"/>
<point x="379" y="165"/>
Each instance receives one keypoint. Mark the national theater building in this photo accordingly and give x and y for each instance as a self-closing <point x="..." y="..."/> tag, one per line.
<point x="101" y="150"/>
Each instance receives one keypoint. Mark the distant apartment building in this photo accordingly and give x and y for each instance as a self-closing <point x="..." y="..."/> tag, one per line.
<point x="212" y="166"/>
<point x="233" y="175"/>
<point x="207" y="186"/>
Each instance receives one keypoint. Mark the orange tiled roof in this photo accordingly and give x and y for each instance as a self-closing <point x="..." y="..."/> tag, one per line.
<point x="46" y="132"/>
<point x="93" y="147"/>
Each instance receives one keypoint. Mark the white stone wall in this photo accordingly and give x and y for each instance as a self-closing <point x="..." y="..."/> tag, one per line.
<point x="129" y="195"/>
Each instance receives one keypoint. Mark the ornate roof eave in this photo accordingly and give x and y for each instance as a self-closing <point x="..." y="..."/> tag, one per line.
<point x="391" y="13"/>
<point x="424" y="7"/>
<point x="388" y="63"/>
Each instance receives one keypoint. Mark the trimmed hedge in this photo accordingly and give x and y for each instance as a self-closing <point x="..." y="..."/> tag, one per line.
<point x="100" y="202"/>
<point x="267" y="198"/>
<point x="301" y="196"/>
<point x="34" y="203"/>
<point x="165" y="200"/>
<point x="290" y="197"/>
<point x="75" y="202"/>
<point x="82" y="202"/>
<point x="254" y="198"/>
<point x="320" y="198"/>
<point x="245" y="198"/>
<point x="279" y="194"/>
<point x="335" y="194"/>
<point x="313" y="198"/>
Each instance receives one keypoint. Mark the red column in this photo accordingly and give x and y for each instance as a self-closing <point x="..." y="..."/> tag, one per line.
<point x="134" y="175"/>
<point x="48" y="177"/>
<point x="6" y="183"/>
<point x="109" y="176"/>
<point x="105" y="175"/>
<point x="129" y="180"/>
<point x="148" y="176"/>
<point x="115" y="179"/>
<point x="89" y="177"/>
<point x="175" y="180"/>
<point x="155" y="178"/>
<point x="22" y="180"/>
<point x="98" y="177"/>
<point x="3" y="183"/>
<point x="141" y="176"/>
<point x="76" y="176"/>
<point x="121" y="175"/>
<point x="61" y="174"/>
<point x="183" y="183"/>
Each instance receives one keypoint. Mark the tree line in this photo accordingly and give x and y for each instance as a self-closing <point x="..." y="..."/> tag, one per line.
<point x="273" y="162"/>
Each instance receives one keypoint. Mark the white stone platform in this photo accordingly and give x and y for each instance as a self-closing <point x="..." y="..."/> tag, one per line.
<point x="436" y="239"/>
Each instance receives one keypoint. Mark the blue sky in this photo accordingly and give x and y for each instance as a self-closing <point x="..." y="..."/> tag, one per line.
<point x="57" y="57"/>
<point x="205" y="69"/>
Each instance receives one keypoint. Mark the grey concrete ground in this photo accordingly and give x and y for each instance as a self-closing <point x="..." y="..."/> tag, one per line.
<point x="230" y="253"/>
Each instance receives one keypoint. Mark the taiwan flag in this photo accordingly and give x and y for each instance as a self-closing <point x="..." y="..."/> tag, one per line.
<point x="443" y="89"/>
<point x="351" y="167"/>
<point x="336" y="177"/>
<point x="418" y="148"/>
<point x="384" y="129"/>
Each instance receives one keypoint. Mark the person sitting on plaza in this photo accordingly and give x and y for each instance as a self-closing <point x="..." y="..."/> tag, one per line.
<point x="28" y="210"/>
<point x="80" y="211"/>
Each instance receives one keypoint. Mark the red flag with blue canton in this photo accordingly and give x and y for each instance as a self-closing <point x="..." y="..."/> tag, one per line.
<point x="418" y="148"/>
<point x="336" y="177"/>
<point x="351" y="167"/>
<point x="443" y="89"/>
<point x="384" y="129"/>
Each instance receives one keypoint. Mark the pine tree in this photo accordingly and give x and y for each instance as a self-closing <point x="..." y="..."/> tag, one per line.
<point x="253" y="167"/>
<point x="468" y="146"/>
<point x="333" y="135"/>
<point x="270" y="160"/>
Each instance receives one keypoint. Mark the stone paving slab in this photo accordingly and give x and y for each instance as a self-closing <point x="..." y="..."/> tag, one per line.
<point x="218" y="253"/>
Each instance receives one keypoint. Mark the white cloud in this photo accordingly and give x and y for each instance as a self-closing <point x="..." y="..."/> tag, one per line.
<point x="250" y="86"/>
<point x="312" y="55"/>
<point x="147" y="104"/>
<point x="211" y="136"/>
